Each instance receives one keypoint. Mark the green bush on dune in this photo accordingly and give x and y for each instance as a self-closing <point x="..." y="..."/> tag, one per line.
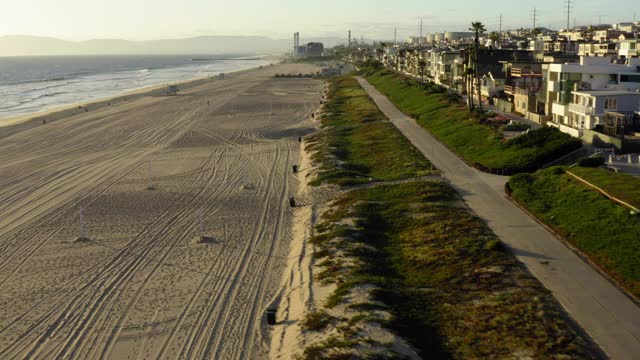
<point x="607" y="232"/>
<point x="358" y="144"/>
<point x="452" y="289"/>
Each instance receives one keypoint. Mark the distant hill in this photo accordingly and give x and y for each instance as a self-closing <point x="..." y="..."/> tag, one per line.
<point x="25" y="45"/>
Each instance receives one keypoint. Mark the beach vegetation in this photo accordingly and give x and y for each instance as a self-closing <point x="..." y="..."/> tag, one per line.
<point x="469" y="134"/>
<point x="604" y="230"/>
<point x="451" y="289"/>
<point x="358" y="144"/>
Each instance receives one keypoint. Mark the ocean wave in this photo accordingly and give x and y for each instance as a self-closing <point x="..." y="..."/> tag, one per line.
<point x="20" y="102"/>
<point x="74" y="87"/>
<point x="50" y="79"/>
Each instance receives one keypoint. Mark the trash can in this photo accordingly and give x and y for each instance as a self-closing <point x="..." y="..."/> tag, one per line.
<point x="271" y="316"/>
<point x="299" y="138"/>
<point x="292" y="202"/>
<point x="295" y="169"/>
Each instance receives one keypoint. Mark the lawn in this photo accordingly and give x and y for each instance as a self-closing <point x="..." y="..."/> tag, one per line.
<point x="452" y="290"/>
<point x="603" y="230"/>
<point x="622" y="186"/>
<point x="358" y="144"/>
<point x="465" y="134"/>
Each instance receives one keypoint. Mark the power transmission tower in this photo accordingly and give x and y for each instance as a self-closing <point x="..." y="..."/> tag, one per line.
<point x="395" y="35"/>
<point x="569" y="5"/>
<point x="420" y="39"/>
<point x="500" y="29"/>
<point x="535" y="18"/>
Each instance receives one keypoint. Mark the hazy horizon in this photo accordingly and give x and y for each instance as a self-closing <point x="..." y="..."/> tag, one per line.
<point x="137" y="20"/>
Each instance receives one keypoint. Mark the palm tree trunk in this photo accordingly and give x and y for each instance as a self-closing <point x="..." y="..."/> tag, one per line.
<point x="469" y="82"/>
<point x="477" y="61"/>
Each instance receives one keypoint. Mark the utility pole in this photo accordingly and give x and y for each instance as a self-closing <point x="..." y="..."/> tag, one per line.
<point x="568" y="13"/>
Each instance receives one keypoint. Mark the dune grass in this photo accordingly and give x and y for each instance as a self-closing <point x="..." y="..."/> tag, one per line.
<point x="622" y="186"/>
<point x="358" y="144"/>
<point x="474" y="141"/>
<point x="603" y="230"/>
<point x="451" y="288"/>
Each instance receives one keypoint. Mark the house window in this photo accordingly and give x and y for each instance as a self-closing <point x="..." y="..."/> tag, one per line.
<point x="630" y="78"/>
<point x="610" y="104"/>
<point x="613" y="78"/>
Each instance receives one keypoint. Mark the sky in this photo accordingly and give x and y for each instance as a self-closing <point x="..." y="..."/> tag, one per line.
<point x="372" y="19"/>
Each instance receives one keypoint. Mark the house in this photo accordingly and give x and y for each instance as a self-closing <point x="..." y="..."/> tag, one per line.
<point x="491" y="85"/>
<point x="587" y="108"/>
<point x="629" y="48"/>
<point x="597" y="81"/>
<point x="597" y="49"/>
<point x="627" y="27"/>
<point x="490" y="61"/>
<point x="523" y="86"/>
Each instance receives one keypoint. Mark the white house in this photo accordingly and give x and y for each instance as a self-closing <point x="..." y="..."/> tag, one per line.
<point x="587" y="108"/>
<point x="595" y="81"/>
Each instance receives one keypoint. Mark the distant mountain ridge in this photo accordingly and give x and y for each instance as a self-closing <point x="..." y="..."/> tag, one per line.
<point x="26" y="45"/>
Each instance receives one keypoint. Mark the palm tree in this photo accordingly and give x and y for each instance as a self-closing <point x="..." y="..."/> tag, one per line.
<point x="494" y="36"/>
<point x="468" y="76"/>
<point x="478" y="28"/>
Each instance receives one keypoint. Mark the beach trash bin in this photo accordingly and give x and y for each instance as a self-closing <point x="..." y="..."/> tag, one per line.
<point x="292" y="202"/>
<point x="271" y="316"/>
<point x="295" y="169"/>
<point x="299" y="138"/>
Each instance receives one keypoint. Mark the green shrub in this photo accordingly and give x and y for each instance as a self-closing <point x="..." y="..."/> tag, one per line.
<point x="364" y="143"/>
<point x="594" y="161"/>
<point x="516" y="127"/>
<point x="316" y="320"/>
<point x="604" y="230"/>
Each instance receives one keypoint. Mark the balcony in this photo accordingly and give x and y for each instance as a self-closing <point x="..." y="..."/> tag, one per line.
<point x="508" y="89"/>
<point x="530" y="91"/>
<point x="559" y="109"/>
<point x="581" y="109"/>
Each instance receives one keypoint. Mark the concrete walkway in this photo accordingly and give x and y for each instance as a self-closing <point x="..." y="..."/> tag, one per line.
<point x="606" y="314"/>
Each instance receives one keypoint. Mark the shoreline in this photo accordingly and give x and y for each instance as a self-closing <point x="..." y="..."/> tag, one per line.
<point x="13" y="124"/>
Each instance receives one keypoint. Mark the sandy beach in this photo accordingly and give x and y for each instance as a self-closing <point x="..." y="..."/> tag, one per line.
<point x="149" y="177"/>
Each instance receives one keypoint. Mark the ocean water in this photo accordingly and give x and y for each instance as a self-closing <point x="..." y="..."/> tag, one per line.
<point x="32" y="84"/>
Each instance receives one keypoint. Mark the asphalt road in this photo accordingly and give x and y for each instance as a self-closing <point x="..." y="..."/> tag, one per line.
<point x="603" y="311"/>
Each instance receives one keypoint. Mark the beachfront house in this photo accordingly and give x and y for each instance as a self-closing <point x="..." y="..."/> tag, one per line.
<point x="578" y="95"/>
